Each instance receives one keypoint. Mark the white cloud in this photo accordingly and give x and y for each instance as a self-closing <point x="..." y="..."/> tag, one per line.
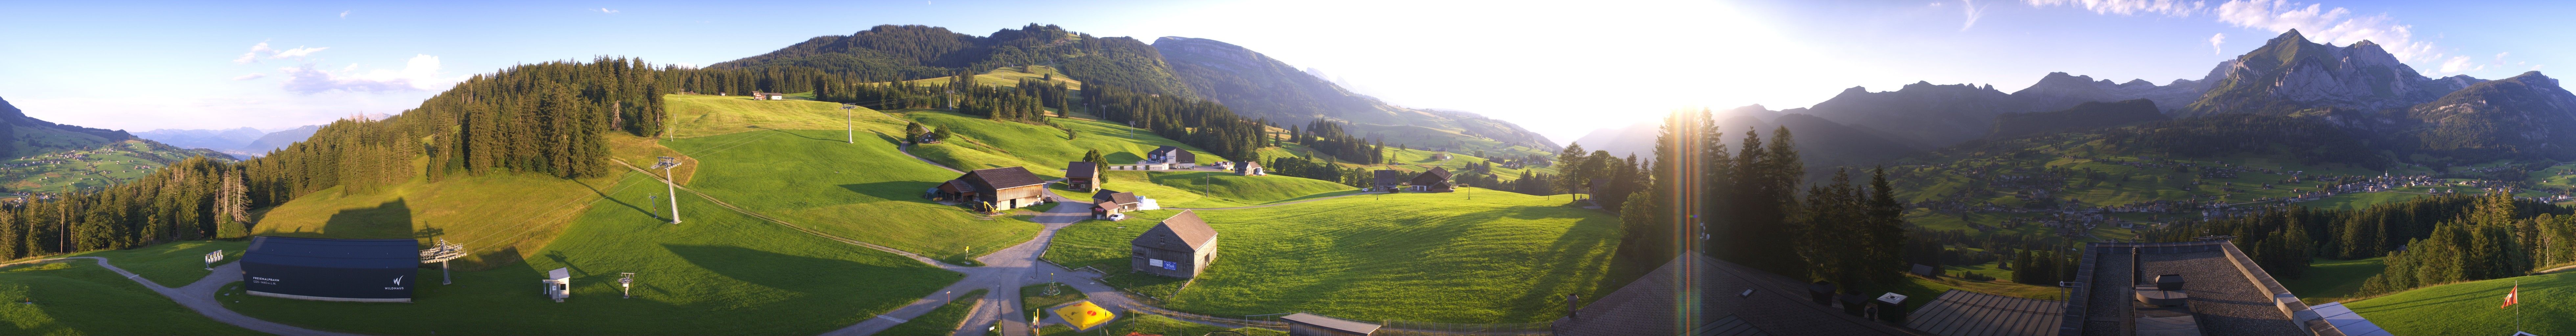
<point x="253" y="55"/>
<point x="2500" y="58"/>
<point x="605" y="10"/>
<point x="1974" y="12"/>
<point x="2315" y="21"/>
<point x="250" y="76"/>
<point x="299" y="51"/>
<point x="2129" y="7"/>
<point x="2214" y="44"/>
<point x="344" y="14"/>
<point x="2459" y="64"/>
<point x="421" y="73"/>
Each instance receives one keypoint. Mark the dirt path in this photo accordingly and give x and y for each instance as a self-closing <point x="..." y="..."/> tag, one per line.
<point x="1283" y="203"/>
<point x="200" y="296"/>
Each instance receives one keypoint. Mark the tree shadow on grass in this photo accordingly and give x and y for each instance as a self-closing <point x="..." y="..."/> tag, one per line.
<point x="388" y="220"/>
<point x="792" y="272"/>
<point x="892" y="190"/>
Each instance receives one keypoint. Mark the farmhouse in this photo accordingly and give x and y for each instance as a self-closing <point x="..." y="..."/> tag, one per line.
<point x="1249" y="168"/>
<point x="1177" y="157"/>
<point x="1440" y="154"/>
<point x="360" y="270"/>
<point x="1003" y="188"/>
<point x="1180" y="247"/>
<point x="1436" y="180"/>
<point x="1082" y="176"/>
<point x="1111" y="202"/>
<point x="1388" y="180"/>
<point x="768" y="96"/>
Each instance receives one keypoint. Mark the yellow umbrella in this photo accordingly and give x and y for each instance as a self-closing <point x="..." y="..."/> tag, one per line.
<point x="1084" y="315"/>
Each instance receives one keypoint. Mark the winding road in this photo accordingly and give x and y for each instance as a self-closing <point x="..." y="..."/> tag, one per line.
<point x="200" y="296"/>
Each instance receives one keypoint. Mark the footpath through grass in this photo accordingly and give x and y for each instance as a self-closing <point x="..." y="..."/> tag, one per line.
<point x="2470" y="308"/>
<point x="940" y="321"/>
<point x="77" y="297"/>
<point x="717" y="266"/>
<point x="1473" y="256"/>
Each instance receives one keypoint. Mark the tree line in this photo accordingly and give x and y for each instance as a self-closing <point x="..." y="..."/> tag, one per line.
<point x="1205" y="124"/>
<point x="1329" y="138"/>
<point x="1742" y="205"/>
<point x="2427" y="241"/>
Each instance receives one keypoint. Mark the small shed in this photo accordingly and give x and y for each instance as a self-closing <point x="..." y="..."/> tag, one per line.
<point x="1249" y="168"/>
<point x="558" y="284"/>
<point x="1082" y="176"/>
<point x="1180" y="247"/>
<point x="1303" y="324"/>
<point x="1436" y="180"/>
<point x="1388" y="180"/>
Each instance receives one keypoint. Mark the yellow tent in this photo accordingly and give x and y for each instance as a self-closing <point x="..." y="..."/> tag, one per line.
<point x="1083" y="315"/>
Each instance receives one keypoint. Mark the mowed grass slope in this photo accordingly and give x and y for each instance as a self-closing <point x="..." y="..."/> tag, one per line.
<point x="2470" y="308"/>
<point x="706" y="276"/>
<point x="1042" y="148"/>
<point x="866" y="191"/>
<point x="2328" y="280"/>
<point x="77" y="297"/>
<point x="496" y="215"/>
<point x="1473" y="256"/>
<point x="1213" y="189"/>
<point x="708" y="115"/>
<point x="170" y="264"/>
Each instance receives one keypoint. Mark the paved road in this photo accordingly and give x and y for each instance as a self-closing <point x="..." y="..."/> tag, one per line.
<point x="1002" y="275"/>
<point x="200" y="296"/>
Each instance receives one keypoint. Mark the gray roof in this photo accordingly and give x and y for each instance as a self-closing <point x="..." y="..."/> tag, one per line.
<point x="1182" y="232"/>
<point x="1657" y="304"/>
<point x="1122" y="198"/>
<point x="1965" y="313"/>
<point x="1000" y="178"/>
<point x="1328" y="322"/>
<point x="1081" y="169"/>
<point x="1389" y="176"/>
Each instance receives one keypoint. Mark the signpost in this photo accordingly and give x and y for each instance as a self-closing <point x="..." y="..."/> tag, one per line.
<point x="212" y="257"/>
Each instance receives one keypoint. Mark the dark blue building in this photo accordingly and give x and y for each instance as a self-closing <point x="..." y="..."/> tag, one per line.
<point x="361" y="270"/>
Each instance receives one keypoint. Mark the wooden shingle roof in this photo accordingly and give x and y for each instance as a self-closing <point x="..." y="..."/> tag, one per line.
<point x="1965" y="313"/>
<point x="1182" y="232"/>
<point x="1113" y="196"/>
<point x="1000" y="178"/>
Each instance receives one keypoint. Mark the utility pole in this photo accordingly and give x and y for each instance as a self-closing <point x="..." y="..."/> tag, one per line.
<point x="851" y="133"/>
<point x="670" y="183"/>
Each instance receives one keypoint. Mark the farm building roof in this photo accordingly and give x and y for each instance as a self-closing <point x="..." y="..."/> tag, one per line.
<point x="1081" y="169"/>
<point x="1443" y="173"/>
<point x="1965" y="313"/>
<point x="1730" y="299"/>
<point x="1328" y="322"/>
<point x="1182" y="232"/>
<point x="1004" y="177"/>
<point x="1389" y="176"/>
<point x="1121" y="198"/>
<point x="334" y="253"/>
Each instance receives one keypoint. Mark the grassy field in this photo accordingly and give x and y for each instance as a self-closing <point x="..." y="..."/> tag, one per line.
<point x="170" y="264"/>
<point x="1150" y="324"/>
<point x="1211" y="189"/>
<point x="1010" y="76"/>
<point x="813" y="179"/>
<point x="940" y="321"/>
<point x="718" y="266"/>
<point x="495" y="215"/>
<point x="2329" y="280"/>
<point x="708" y="115"/>
<point x="1034" y="301"/>
<point x="79" y="298"/>
<point x="2470" y="308"/>
<point x="1473" y="256"/>
<point x="1041" y="148"/>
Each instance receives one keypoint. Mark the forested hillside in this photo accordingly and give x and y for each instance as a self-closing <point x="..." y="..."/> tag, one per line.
<point x="905" y="52"/>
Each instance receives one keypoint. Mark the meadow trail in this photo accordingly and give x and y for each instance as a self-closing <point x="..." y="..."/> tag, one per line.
<point x="200" y="296"/>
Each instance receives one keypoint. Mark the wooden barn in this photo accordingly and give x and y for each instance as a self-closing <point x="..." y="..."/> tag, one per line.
<point x="1004" y="188"/>
<point x="1436" y="180"/>
<point x="1179" y="158"/>
<point x="1388" y="180"/>
<point x="1082" y="176"/>
<point x="1180" y="247"/>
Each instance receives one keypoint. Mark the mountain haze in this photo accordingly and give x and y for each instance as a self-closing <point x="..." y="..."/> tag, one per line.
<point x="1258" y="86"/>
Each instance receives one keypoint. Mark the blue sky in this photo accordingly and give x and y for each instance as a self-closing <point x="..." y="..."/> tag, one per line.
<point x="145" y="65"/>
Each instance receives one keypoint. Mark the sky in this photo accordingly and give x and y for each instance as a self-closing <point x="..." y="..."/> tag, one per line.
<point x="1561" y="68"/>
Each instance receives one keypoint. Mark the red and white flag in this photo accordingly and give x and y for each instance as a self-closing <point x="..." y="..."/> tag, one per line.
<point x="2509" y="296"/>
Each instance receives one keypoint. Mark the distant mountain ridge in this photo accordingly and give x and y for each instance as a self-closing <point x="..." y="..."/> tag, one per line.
<point x="1258" y="86"/>
<point x="24" y="136"/>
<point x="243" y="142"/>
<point x="2289" y="73"/>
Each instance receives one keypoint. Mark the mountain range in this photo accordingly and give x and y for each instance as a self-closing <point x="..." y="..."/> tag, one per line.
<point x="2360" y="88"/>
<point x="243" y="142"/>
<point x="1247" y="82"/>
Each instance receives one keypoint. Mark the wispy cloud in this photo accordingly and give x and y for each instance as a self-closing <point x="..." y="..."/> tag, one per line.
<point x="344" y="14"/>
<point x="1974" y="12"/>
<point x="2459" y="64"/>
<point x="2215" y="46"/>
<point x="605" y="10"/>
<point x="2130" y="7"/>
<point x="262" y="50"/>
<point x="2315" y="21"/>
<point x="250" y="76"/>
<point x="421" y="73"/>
